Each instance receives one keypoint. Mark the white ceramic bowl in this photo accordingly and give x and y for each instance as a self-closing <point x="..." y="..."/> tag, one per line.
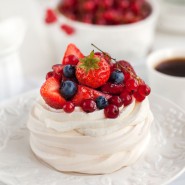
<point x="130" y="41"/>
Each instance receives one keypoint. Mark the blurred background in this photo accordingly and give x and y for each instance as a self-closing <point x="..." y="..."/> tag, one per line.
<point x="30" y="43"/>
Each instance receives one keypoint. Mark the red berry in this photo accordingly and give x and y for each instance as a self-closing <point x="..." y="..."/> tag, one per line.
<point x="112" y="16"/>
<point x="131" y="84"/>
<point x="87" y="18"/>
<point x="124" y="4"/>
<point x="126" y="98"/>
<point x="67" y="29"/>
<point x="106" y="3"/>
<point x="89" y="6"/>
<point x="68" y="107"/>
<point x="112" y="88"/>
<point x="50" y="16"/>
<point x="57" y="68"/>
<point x="127" y="75"/>
<point x="57" y="76"/>
<point x="93" y="71"/>
<point x="138" y="97"/>
<point x="49" y="75"/>
<point x="144" y="90"/>
<point x="70" y="60"/>
<point x="116" y="100"/>
<point x="88" y="105"/>
<point x="111" y="111"/>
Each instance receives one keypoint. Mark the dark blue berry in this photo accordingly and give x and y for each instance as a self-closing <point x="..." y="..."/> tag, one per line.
<point x="117" y="77"/>
<point x="68" y="89"/>
<point x="101" y="102"/>
<point x="69" y="71"/>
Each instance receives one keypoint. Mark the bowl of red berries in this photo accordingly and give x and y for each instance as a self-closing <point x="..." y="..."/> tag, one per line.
<point x="125" y="27"/>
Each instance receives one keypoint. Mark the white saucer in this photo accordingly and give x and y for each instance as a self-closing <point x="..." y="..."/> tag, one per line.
<point x="163" y="161"/>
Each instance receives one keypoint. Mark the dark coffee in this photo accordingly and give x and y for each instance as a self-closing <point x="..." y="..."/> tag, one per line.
<point x="174" y="67"/>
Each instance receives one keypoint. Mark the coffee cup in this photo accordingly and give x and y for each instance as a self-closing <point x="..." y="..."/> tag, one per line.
<point x="167" y="85"/>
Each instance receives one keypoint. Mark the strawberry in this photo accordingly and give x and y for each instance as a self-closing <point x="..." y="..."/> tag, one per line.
<point x="85" y="93"/>
<point x="50" y="16"/>
<point x="93" y="71"/>
<point x="50" y="93"/>
<point x="111" y="88"/>
<point x="67" y="29"/>
<point x="72" y="50"/>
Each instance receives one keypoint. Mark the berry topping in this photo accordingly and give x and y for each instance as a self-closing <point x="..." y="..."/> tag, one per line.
<point x="101" y="102"/>
<point x="90" y="68"/>
<point x="70" y="60"/>
<point x="69" y="71"/>
<point x="116" y="100"/>
<point x="131" y="85"/>
<point x="117" y="77"/>
<point x="126" y="99"/>
<point x="69" y="107"/>
<point x="88" y="105"/>
<point x="84" y="93"/>
<point x="50" y="93"/>
<point x="72" y="50"/>
<point x="68" y="89"/>
<point x="50" y="16"/>
<point x="114" y="89"/>
<point x="83" y="81"/>
<point x="144" y="90"/>
<point x="111" y="111"/>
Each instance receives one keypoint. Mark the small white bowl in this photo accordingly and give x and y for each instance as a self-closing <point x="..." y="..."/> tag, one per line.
<point x="130" y="41"/>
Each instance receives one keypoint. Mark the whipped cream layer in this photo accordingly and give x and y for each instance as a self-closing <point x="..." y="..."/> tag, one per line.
<point x="89" y="143"/>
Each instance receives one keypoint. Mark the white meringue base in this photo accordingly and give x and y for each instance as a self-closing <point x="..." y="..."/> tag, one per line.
<point x="88" y="148"/>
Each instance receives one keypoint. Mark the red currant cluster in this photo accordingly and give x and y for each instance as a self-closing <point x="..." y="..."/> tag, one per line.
<point x="105" y="12"/>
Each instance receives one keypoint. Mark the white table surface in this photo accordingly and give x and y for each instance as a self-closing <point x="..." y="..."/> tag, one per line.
<point x="37" y="55"/>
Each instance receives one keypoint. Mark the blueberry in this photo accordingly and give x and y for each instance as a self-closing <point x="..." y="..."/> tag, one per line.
<point x="117" y="77"/>
<point x="68" y="89"/>
<point x="69" y="71"/>
<point x="101" y="102"/>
